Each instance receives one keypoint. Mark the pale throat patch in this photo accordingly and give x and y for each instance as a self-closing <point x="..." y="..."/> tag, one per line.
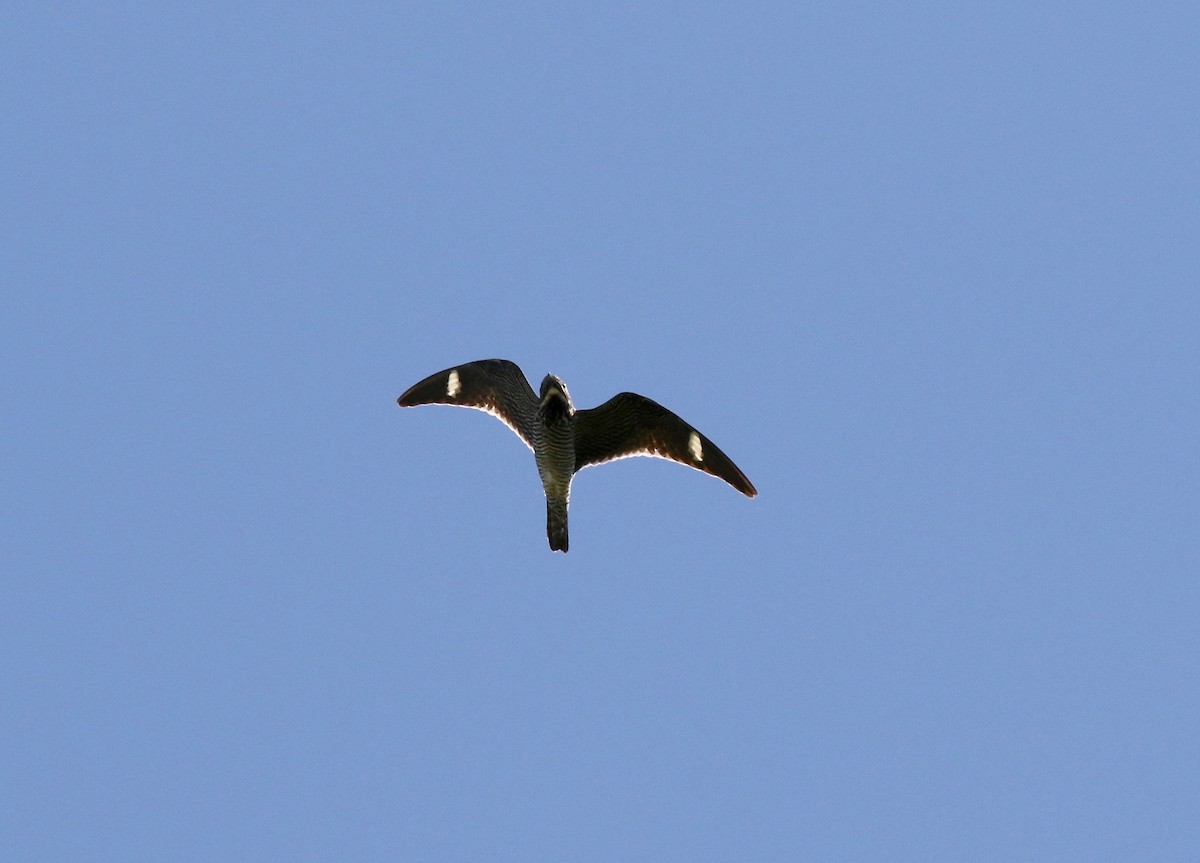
<point x="453" y="385"/>
<point x="695" y="448"/>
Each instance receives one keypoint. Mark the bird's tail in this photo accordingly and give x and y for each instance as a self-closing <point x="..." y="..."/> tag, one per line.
<point x="556" y="524"/>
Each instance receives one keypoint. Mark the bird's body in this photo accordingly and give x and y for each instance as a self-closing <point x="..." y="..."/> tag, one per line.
<point x="554" y="451"/>
<point x="565" y="440"/>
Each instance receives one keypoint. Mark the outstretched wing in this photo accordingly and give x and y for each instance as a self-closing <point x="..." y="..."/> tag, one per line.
<point x="628" y="425"/>
<point x="497" y="387"/>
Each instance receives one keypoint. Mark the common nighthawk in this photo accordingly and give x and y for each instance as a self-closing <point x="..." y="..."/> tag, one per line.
<point x="565" y="440"/>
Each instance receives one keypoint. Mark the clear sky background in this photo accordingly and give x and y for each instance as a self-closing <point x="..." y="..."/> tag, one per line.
<point x="927" y="272"/>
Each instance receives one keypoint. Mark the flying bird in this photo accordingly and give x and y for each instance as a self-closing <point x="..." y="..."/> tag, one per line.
<point x="565" y="440"/>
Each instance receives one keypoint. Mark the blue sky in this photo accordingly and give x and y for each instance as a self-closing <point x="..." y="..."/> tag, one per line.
<point x="928" y="274"/>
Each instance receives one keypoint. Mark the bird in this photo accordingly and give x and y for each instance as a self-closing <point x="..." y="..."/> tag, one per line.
<point x="565" y="440"/>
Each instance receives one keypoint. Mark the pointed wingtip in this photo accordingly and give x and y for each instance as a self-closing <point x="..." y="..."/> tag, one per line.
<point x="743" y="485"/>
<point x="738" y="480"/>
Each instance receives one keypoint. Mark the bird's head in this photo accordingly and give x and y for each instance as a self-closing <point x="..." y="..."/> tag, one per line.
<point x="555" y="398"/>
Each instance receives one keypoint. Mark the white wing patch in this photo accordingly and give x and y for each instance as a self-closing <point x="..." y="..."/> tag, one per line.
<point x="453" y="384"/>
<point x="695" y="448"/>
